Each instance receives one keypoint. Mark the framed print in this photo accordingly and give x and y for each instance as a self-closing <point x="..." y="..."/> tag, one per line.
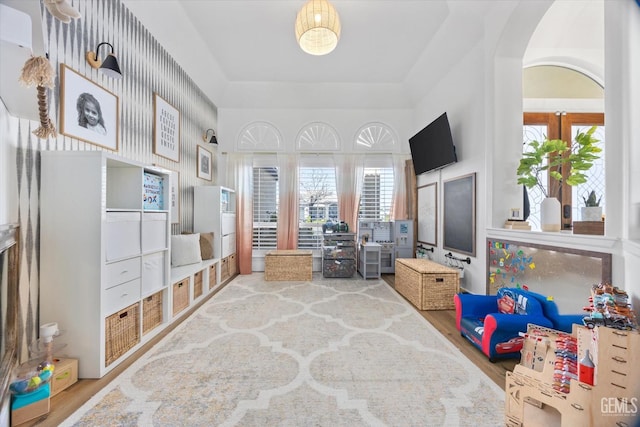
<point x="88" y="111"/>
<point x="166" y="129"/>
<point x="460" y="214"/>
<point x="428" y="214"/>
<point x="204" y="163"/>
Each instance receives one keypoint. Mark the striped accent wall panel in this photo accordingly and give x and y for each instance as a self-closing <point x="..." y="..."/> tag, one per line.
<point x="147" y="69"/>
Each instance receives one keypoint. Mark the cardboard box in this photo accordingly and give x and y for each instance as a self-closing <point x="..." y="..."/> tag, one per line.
<point x="65" y="374"/>
<point x="29" y="406"/>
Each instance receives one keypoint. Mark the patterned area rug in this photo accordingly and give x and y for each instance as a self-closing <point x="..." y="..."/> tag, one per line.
<point x="331" y="352"/>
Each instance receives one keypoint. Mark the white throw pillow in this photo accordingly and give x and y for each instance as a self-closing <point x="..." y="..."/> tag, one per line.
<point x="185" y="249"/>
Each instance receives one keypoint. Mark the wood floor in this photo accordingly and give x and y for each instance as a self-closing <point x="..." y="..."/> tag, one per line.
<point x="67" y="401"/>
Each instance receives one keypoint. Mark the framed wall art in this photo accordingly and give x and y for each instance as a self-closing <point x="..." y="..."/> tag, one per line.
<point x="460" y="214"/>
<point x="205" y="164"/>
<point x="166" y="129"/>
<point x="88" y="112"/>
<point x="428" y="214"/>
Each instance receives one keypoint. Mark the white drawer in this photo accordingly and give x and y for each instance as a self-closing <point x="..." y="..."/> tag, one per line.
<point x="154" y="231"/>
<point x="228" y="245"/>
<point x="123" y="235"/>
<point x="228" y="223"/>
<point x="153" y="272"/>
<point x="121" y="296"/>
<point x="122" y="271"/>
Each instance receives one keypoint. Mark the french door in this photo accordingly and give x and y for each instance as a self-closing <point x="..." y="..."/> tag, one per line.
<point x="565" y="126"/>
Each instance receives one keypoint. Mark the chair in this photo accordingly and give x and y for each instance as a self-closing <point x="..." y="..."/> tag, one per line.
<point x="493" y="323"/>
<point x="561" y="322"/>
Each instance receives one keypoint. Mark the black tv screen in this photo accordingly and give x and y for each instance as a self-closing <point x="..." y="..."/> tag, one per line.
<point x="432" y="148"/>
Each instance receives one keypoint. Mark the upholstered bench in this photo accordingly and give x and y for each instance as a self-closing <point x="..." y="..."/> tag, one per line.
<point x="288" y="264"/>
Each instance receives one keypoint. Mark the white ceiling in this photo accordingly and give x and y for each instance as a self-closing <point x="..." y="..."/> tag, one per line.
<point x="243" y="52"/>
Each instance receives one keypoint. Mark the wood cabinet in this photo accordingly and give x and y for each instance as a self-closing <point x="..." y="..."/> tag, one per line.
<point x="214" y="210"/>
<point x="105" y="227"/>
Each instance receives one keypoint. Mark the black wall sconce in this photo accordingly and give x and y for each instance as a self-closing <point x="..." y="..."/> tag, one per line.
<point x="212" y="139"/>
<point x="109" y="66"/>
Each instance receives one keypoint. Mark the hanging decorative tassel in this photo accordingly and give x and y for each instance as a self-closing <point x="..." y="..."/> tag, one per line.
<point x="38" y="71"/>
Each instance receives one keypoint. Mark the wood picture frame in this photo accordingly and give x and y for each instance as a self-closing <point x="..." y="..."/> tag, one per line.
<point x="428" y="214"/>
<point x="205" y="163"/>
<point x="88" y="111"/>
<point x="459" y="216"/>
<point x="166" y="129"/>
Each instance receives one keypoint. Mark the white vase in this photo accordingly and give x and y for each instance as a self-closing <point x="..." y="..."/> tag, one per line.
<point x="550" y="218"/>
<point x="591" y="213"/>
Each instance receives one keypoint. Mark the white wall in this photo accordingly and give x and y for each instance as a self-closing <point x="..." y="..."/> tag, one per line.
<point x="289" y="122"/>
<point x="461" y="95"/>
<point x="622" y="107"/>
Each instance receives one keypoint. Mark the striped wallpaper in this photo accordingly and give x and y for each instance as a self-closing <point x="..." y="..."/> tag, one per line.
<point x="147" y="69"/>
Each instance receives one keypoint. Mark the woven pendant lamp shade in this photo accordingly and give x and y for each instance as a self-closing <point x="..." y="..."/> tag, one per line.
<point x="318" y="27"/>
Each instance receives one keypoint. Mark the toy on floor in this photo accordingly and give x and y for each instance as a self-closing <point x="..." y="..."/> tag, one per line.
<point x="31" y="376"/>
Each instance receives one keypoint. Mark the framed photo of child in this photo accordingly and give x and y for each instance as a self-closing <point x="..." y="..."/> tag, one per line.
<point x="88" y="112"/>
<point x="166" y="129"/>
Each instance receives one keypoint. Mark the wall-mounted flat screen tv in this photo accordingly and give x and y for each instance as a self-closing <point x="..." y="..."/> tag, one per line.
<point x="432" y="148"/>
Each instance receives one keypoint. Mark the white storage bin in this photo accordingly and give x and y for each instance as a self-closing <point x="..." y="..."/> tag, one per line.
<point x="122" y="271"/>
<point x="228" y="223"/>
<point x="121" y="296"/>
<point x="228" y="245"/>
<point x="154" y="231"/>
<point x="153" y="272"/>
<point x="123" y="235"/>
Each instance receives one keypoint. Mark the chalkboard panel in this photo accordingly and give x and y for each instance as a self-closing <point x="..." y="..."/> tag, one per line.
<point x="460" y="214"/>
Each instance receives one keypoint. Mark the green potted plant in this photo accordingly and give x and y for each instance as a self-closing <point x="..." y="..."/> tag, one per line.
<point x="553" y="155"/>
<point x="591" y="211"/>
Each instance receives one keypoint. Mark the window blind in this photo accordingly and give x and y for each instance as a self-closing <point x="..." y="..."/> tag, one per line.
<point x="377" y="194"/>
<point x="318" y="203"/>
<point x="265" y="207"/>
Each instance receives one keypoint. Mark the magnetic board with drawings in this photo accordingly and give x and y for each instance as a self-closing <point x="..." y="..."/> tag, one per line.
<point x="460" y="214"/>
<point x="428" y="214"/>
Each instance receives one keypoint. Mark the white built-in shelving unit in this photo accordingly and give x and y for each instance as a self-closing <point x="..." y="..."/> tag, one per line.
<point x="106" y="275"/>
<point x="214" y="210"/>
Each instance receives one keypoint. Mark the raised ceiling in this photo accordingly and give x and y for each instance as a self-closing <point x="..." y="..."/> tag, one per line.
<point x="243" y="53"/>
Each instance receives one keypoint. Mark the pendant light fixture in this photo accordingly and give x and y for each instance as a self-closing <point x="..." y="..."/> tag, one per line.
<point x="318" y="27"/>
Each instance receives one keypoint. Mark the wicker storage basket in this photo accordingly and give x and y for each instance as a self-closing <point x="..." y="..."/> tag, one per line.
<point x="224" y="269"/>
<point x="122" y="332"/>
<point x="426" y="284"/>
<point x="180" y="296"/>
<point x="213" y="276"/>
<point x="288" y="265"/>
<point x="151" y="312"/>
<point x="197" y="284"/>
